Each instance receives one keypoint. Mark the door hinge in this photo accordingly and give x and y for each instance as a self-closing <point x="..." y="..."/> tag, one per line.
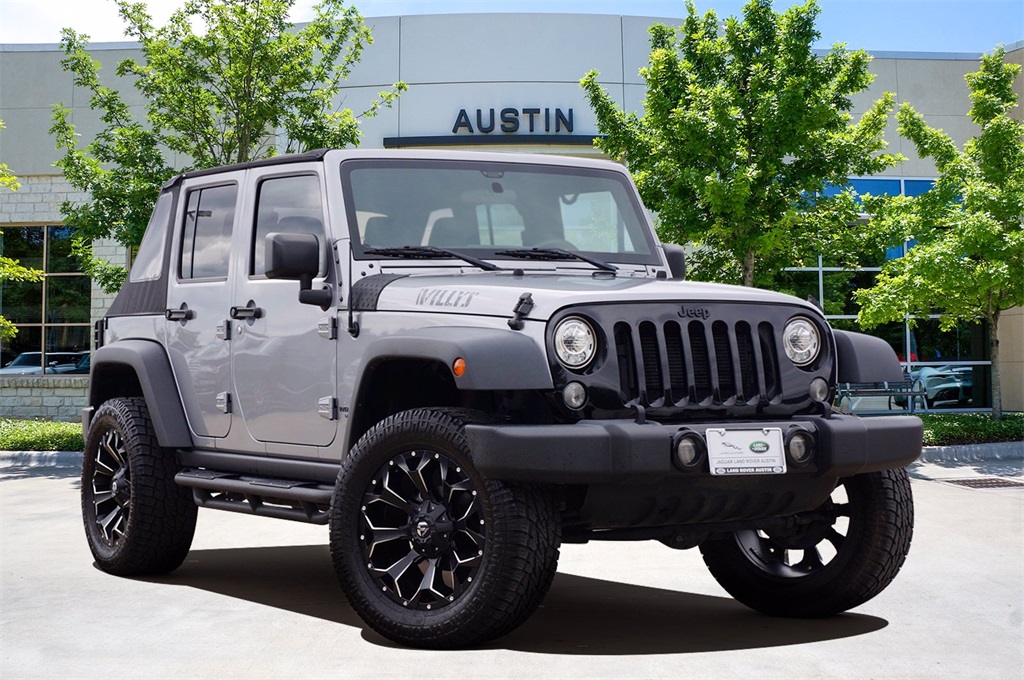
<point x="223" y="330"/>
<point x="224" y="402"/>
<point x="327" y="407"/>
<point x="327" y="328"/>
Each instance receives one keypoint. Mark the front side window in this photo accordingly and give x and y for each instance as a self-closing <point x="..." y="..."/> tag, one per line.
<point x="486" y="207"/>
<point x="206" y="235"/>
<point x="289" y="205"/>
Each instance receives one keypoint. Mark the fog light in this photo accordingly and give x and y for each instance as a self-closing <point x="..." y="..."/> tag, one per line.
<point x="689" y="451"/>
<point x="574" y="395"/>
<point x="800" y="447"/>
<point x="819" y="389"/>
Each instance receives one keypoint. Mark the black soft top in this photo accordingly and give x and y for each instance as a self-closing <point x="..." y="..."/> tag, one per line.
<point x="283" y="159"/>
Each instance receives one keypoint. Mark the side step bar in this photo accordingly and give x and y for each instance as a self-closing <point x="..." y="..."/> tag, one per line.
<point x="280" y="498"/>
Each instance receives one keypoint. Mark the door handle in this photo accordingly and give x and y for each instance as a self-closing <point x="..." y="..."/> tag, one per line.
<point x="182" y="314"/>
<point x="249" y="311"/>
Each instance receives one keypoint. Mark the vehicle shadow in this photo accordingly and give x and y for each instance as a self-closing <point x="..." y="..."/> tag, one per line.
<point x="580" y="615"/>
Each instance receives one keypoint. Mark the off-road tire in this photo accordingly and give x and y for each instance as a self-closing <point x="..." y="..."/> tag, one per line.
<point x="152" y="519"/>
<point x="752" y="566"/>
<point x="519" y="544"/>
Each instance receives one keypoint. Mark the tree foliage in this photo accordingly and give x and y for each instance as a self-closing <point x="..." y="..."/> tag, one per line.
<point x="11" y="269"/>
<point x="7" y="178"/>
<point x="225" y="81"/>
<point x="740" y="127"/>
<point x="968" y="261"/>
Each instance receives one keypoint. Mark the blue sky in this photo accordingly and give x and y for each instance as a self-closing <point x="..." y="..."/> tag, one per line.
<point x="889" y="25"/>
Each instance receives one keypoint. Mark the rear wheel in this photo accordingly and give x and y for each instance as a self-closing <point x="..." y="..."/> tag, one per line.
<point x="831" y="565"/>
<point x="429" y="553"/>
<point x="137" y="520"/>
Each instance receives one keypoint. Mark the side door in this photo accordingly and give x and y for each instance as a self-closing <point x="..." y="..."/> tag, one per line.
<point x="284" y="353"/>
<point x="198" y="297"/>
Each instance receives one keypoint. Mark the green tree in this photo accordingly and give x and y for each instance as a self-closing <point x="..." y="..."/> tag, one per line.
<point x="11" y="269"/>
<point x="225" y="81"/>
<point x="7" y="178"/>
<point x="740" y="127"/>
<point x="968" y="262"/>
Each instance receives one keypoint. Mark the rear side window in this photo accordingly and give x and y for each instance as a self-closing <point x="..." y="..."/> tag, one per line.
<point x="206" y="235"/>
<point x="289" y="205"/>
<point x="149" y="260"/>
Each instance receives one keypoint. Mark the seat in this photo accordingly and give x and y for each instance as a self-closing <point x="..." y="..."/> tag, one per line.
<point x="381" y="232"/>
<point x="448" y="232"/>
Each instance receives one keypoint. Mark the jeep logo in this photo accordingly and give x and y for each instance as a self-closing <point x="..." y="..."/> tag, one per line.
<point x="695" y="313"/>
<point x="759" y="447"/>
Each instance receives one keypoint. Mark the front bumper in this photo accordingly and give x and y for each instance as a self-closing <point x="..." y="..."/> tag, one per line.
<point x="623" y="451"/>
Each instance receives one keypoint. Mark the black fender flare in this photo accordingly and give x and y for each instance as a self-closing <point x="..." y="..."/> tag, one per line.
<point x="152" y="368"/>
<point x="864" y="358"/>
<point x="495" y="359"/>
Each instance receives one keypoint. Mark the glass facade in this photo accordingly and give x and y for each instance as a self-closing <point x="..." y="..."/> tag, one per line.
<point x="950" y="370"/>
<point x="53" y="315"/>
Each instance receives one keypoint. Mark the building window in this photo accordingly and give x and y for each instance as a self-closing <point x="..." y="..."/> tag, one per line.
<point x="952" y="369"/>
<point x="53" y="315"/>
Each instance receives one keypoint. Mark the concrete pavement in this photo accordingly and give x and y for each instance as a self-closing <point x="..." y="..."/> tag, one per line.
<point x="257" y="598"/>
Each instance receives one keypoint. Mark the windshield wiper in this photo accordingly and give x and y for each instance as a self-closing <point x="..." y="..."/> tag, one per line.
<point x="428" y="252"/>
<point x="556" y="254"/>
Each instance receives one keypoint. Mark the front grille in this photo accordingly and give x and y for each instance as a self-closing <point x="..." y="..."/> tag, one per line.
<point x="680" y="363"/>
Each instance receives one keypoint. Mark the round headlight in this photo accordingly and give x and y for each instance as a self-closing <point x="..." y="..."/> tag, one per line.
<point x="575" y="342"/>
<point x="801" y="341"/>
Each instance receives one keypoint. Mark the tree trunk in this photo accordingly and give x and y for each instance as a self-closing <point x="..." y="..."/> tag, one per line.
<point x="993" y="350"/>
<point x="748" y="269"/>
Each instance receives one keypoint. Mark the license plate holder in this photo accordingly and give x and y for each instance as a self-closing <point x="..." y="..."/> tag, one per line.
<point x="746" y="451"/>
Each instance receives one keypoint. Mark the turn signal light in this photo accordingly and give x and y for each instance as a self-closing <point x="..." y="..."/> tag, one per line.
<point x="459" y="367"/>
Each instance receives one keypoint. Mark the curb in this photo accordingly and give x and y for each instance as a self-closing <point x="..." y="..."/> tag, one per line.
<point x="969" y="453"/>
<point x="38" y="459"/>
<point x="961" y="453"/>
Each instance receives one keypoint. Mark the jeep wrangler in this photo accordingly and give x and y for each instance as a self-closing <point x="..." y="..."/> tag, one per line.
<point x="458" y="361"/>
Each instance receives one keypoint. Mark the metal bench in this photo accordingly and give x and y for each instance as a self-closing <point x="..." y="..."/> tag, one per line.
<point x="909" y="394"/>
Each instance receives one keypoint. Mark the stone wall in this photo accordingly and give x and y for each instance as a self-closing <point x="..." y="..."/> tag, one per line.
<point x="39" y="398"/>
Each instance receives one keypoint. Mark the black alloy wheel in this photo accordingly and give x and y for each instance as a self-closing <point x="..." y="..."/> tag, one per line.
<point x="853" y="548"/>
<point x="137" y="520"/>
<point x="111" y="487"/>
<point x="421" y="529"/>
<point x="429" y="553"/>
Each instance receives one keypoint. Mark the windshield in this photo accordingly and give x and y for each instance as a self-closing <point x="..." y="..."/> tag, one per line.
<point x="486" y="208"/>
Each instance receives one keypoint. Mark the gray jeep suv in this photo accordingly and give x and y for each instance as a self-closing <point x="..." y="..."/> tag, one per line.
<point x="457" y="362"/>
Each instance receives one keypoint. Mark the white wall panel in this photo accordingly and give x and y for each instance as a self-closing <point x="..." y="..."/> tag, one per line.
<point x="464" y="48"/>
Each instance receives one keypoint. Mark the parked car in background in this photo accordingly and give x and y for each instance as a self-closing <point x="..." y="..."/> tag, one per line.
<point x="952" y="385"/>
<point x="31" y="363"/>
<point x="80" y="366"/>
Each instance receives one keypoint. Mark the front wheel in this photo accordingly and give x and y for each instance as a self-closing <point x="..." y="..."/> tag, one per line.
<point x="835" y="563"/>
<point x="429" y="553"/>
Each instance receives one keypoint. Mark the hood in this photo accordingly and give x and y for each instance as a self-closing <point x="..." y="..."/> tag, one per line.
<point x="496" y="294"/>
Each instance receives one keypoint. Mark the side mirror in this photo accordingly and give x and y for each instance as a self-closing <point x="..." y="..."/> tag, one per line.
<point x="297" y="257"/>
<point x="676" y="257"/>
